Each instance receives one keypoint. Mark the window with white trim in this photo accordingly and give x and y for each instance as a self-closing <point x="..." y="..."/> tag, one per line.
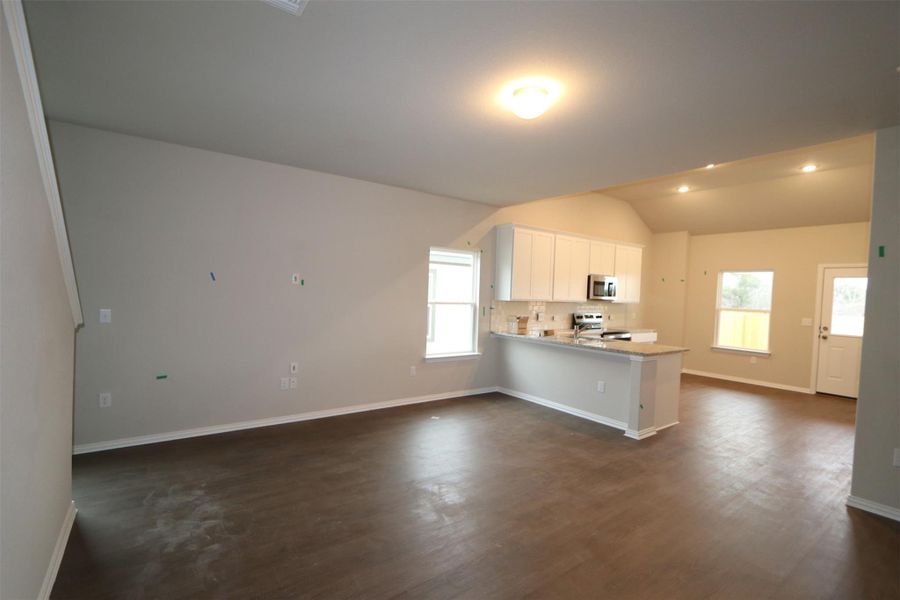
<point x="452" y="311"/>
<point x="743" y="310"/>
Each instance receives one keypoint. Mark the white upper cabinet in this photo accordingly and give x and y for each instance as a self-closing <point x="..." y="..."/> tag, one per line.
<point x="542" y="265"/>
<point x="524" y="264"/>
<point x="603" y="258"/>
<point x="628" y="274"/>
<point x="570" y="269"/>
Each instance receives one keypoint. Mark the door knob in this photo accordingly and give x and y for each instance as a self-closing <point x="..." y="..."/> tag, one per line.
<point x="823" y="336"/>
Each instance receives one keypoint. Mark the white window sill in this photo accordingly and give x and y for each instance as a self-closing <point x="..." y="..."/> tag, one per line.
<point x="739" y="350"/>
<point x="449" y="357"/>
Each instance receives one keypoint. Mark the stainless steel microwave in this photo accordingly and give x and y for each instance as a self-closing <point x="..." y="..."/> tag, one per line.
<point x="602" y="287"/>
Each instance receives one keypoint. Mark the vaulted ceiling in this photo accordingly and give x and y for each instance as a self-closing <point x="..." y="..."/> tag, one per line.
<point x="403" y="93"/>
<point x="764" y="192"/>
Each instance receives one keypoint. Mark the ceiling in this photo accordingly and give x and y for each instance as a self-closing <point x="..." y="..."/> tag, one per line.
<point x="765" y="192"/>
<point x="403" y="93"/>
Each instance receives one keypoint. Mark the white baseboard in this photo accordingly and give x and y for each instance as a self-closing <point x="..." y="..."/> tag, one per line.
<point x="661" y="427"/>
<point x="58" y="551"/>
<point x="768" y="384"/>
<point x="641" y="434"/>
<point x="877" y="508"/>
<point x="563" y="408"/>
<point x="307" y="416"/>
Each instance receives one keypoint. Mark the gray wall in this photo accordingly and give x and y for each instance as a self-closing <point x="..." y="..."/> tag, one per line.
<point x="36" y="356"/>
<point x="150" y="220"/>
<point x="878" y="408"/>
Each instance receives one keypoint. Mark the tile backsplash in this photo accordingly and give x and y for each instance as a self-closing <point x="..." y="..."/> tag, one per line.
<point x="555" y="315"/>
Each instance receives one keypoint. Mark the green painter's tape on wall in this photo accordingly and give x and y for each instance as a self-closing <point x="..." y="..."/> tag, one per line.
<point x="162" y="376"/>
<point x="880" y="251"/>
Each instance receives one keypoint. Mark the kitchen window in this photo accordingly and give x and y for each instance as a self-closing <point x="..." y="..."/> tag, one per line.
<point x="452" y="313"/>
<point x="743" y="310"/>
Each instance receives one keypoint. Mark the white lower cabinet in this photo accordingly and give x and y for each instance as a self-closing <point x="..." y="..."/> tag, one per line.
<point x="644" y="337"/>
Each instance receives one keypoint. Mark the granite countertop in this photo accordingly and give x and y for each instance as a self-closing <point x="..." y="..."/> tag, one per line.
<point x="596" y="345"/>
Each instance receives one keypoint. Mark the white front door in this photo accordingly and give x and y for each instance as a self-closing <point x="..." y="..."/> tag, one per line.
<point x="843" y="302"/>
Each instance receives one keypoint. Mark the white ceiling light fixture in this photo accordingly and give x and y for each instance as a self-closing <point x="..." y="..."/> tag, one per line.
<point x="809" y="168"/>
<point x="295" y="7"/>
<point x="530" y="98"/>
<point x="711" y="166"/>
<point x="683" y="189"/>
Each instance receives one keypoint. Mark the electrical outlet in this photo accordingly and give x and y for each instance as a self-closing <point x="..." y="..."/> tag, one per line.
<point x="752" y="360"/>
<point x="105" y="400"/>
<point x="412" y="371"/>
<point x="106" y="315"/>
<point x="293" y="383"/>
<point x="897" y="457"/>
<point x="806" y="322"/>
<point x="285" y="383"/>
<point x="295" y="367"/>
<point x="601" y="386"/>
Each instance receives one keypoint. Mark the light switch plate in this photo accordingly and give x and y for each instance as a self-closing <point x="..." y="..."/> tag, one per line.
<point x="601" y="386"/>
<point x="806" y="322"/>
<point x="106" y="315"/>
<point x="294" y="383"/>
<point x="295" y="278"/>
<point x="285" y="383"/>
<point x="105" y="400"/>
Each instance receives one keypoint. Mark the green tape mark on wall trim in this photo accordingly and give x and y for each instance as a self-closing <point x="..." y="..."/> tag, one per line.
<point x="162" y="376"/>
<point x="880" y="251"/>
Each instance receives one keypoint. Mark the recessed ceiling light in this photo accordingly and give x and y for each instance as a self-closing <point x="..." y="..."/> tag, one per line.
<point x="808" y="168"/>
<point x="683" y="189"/>
<point x="530" y="98"/>
<point x="711" y="166"/>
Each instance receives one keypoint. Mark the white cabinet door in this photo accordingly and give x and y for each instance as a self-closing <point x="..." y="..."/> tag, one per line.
<point x="522" y="253"/>
<point x="570" y="269"/>
<point x="562" y="265"/>
<point x="542" y="266"/>
<point x="578" y="274"/>
<point x="628" y="274"/>
<point x="603" y="258"/>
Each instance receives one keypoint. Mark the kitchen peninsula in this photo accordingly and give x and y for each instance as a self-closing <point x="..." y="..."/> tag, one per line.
<point x="628" y="385"/>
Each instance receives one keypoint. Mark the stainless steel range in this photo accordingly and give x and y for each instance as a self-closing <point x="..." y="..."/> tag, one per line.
<point x="593" y="322"/>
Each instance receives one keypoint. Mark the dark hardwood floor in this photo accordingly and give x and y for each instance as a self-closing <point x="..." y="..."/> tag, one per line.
<point x="490" y="497"/>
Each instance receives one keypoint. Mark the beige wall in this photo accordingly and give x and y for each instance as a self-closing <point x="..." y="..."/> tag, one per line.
<point x="875" y="478"/>
<point x="794" y="254"/>
<point x="149" y="221"/>
<point x="36" y="356"/>
<point x="666" y="285"/>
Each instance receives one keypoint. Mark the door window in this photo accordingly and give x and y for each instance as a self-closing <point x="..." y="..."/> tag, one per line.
<point x="848" y="306"/>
